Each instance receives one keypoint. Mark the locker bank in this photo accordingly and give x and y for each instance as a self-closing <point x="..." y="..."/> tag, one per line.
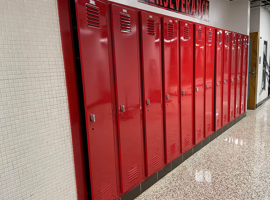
<point x="142" y="99"/>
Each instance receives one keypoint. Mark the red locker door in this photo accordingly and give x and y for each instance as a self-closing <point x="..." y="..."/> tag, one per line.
<point x="92" y="28"/>
<point x="226" y="79"/>
<point x="244" y="72"/>
<point x="209" y="81"/>
<point x="186" y="85"/>
<point x="127" y="75"/>
<point x="233" y="77"/>
<point x="171" y="88"/>
<point x="152" y="92"/>
<point x="219" y="77"/>
<point x="199" y="81"/>
<point x="238" y="74"/>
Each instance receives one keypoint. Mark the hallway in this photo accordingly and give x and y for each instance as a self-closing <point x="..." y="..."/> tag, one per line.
<point x="236" y="165"/>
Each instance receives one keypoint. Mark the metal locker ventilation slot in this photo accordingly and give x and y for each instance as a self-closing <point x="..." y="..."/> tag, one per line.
<point x="172" y="149"/>
<point x="106" y="192"/>
<point x="233" y="41"/>
<point x="151" y="27"/>
<point x="186" y="32"/>
<point x="92" y="13"/>
<point x="227" y="39"/>
<point x="200" y="34"/>
<point x="155" y="160"/>
<point x="133" y="173"/>
<point x="219" y="38"/>
<point x="125" y="26"/>
<point x="210" y="36"/>
<point x="170" y="32"/>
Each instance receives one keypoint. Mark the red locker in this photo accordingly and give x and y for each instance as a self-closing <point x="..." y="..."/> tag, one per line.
<point x="171" y="88"/>
<point x="152" y="91"/>
<point x="238" y="74"/>
<point x="186" y="85"/>
<point x="129" y="112"/>
<point x="226" y="79"/>
<point x="209" y="81"/>
<point x="244" y="74"/>
<point x="233" y="77"/>
<point x="219" y="79"/>
<point x="199" y="81"/>
<point x="92" y="28"/>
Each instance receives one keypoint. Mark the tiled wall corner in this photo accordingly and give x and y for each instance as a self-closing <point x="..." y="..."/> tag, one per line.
<point x="36" y="158"/>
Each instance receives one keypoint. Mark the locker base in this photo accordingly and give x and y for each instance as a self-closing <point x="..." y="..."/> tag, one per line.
<point x="135" y="192"/>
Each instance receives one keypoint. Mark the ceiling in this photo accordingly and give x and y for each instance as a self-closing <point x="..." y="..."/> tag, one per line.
<point x="263" y="3"/>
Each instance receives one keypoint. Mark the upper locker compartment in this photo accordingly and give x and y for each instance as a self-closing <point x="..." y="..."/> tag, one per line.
<point x="199" y="82"/>
<point x="226" y="78"/>
<point x="238" y="74"/>
<point x="152" y="91"/>
<point x="209" y="81"/>
<point x="244" y="74"/>
<point x="92" y="29"/>
<point x="233" y="76"/>
<point x="128" y="93"/>
<point x="186" y="85"/>
<point x="219" y="78"/>
<point x="171" y="88"/>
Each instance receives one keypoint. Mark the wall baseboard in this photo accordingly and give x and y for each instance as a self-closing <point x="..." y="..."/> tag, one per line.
<point x="262" y="102"/>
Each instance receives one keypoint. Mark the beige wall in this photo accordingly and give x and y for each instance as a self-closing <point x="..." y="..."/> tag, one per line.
<point x="36" y="158"/>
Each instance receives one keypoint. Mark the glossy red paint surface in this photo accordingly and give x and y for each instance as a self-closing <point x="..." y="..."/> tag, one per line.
<point x="199" y="82"/>
<point x="98" y="100"/>
<point x="238" y="74"/>
<point x="127" y="77"/>
<point x="226" y="77"/>
<point x="186" y="85"/>
<point x="73" y="97"/>
<point x="244" y="74"/>
<point x="209" y="80"/>
<point x="152" y="90"/>
<point x="233" y="76"/>
<point x="171" y="88"/>
<point x="219" y="79"/>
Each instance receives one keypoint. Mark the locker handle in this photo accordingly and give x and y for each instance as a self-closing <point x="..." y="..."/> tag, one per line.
<point x="167" y="96"/>
<point x="217" y="83"/>
<point x="148" y="102"/>
<point x="243" y="77"/>
<point x="224" y="82"/>
<point x="238" y="78"/>
<point x="232" y="79"/>
<point x="197" y="89"/>
<point x="183" y="92"/>
<point x="207" y="86"/>
<point x="122" y="108"/>
<point x="92" y="118"/>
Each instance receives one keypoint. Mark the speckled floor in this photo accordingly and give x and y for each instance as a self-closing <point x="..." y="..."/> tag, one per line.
<point x="236" y="165"/>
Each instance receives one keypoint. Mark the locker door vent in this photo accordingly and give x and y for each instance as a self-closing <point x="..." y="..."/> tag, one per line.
<point x="170" y="32"/>
<point x="227" y="39"/>
<point x="172" y="149"/>
<point x="219" y="38"/>
<point x="186" y="141"/>
<point x="239" y="42"/>
<point x="199" y="133"/>
<point x="106" y="192"/>
<point x="225" y="118"/>
<point x="92" y="13"/>
<point x="208" y="127"/>
<point x="125" y="25"/>
<point x="133" y="173"/>
<point x="151" y="27"/>
<point x="210" y="36"/>
<point x="200" y="34"/>
<point x="186" y="32"/>
<point x="155" y="160"/>
<point x="231" y="113"/>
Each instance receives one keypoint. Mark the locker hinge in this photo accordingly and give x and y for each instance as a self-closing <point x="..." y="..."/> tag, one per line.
<point x="148" y="102"/>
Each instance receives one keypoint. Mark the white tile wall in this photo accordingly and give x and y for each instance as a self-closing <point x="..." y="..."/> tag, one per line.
<point x="36" y="158"/>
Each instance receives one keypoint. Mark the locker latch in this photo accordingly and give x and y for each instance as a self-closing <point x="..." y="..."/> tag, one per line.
<point x="122" y="108"/>
<point x="148" y="102"/>
<point x="243" y="77"/>
<point x="232" y="79"/>
<point x="238" y="78"/>
<point x="224" y="82"/>
<point x="207" y="86"/>
<point x="167" y="96"/>
<point x="92" y="118"/>
<point x="217" y="83"/>
<point x="197" y="89"/>
<point x="183" y="92"/>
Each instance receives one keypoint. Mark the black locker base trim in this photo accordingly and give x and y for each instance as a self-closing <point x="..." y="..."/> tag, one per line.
<point x="135" y="192"/>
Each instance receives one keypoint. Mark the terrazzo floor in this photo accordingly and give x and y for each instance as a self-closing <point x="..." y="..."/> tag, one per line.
<point x="236" y="165"/>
